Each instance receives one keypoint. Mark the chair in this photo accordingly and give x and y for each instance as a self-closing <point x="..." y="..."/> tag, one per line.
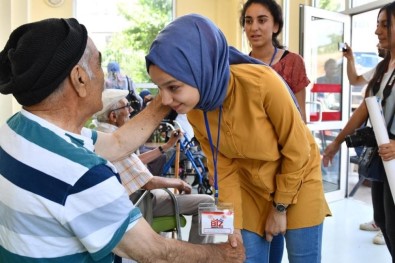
<point x="165" y="223"/>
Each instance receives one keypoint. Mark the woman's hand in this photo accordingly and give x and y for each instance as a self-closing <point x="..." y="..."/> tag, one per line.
<point x="387" y="151"/>
<point x="329" y="153"/>
<point x="236" y="236"/>
<point x="348" y="53"/>
<point x="276" y="224"/>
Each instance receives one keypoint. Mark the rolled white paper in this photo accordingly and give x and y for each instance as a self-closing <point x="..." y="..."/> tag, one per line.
<point x="380" y="132"/>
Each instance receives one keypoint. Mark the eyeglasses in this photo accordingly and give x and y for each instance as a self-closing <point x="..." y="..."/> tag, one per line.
<point x="128" y="105"/>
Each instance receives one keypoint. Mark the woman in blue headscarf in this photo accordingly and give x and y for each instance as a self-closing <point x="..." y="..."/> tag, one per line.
<point x="263" y="158"/>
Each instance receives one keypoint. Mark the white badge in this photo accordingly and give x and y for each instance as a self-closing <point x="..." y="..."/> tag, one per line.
<point x="216" y="220"/>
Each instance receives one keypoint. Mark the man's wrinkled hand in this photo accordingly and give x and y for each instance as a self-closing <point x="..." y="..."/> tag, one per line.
<point x="232" y="254"/>
<point x="184" y="187"/>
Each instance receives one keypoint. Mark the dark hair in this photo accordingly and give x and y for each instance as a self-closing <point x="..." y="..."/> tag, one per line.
<point x="275" y="11"/>
<point x="382" y="67"/>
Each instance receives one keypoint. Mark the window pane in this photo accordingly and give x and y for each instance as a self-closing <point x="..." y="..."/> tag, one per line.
<point x="355" y="3"/>
<point x="327" y="89"/>
<point x="123" y="30"/>
<point x="364" y="46"/>
<point x="331" y="5"/>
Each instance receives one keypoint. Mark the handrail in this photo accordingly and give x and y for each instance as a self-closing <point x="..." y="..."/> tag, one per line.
<point x="319" y="104"/>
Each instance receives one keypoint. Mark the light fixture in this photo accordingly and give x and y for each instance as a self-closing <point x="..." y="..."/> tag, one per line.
<point x="54" y="3"/>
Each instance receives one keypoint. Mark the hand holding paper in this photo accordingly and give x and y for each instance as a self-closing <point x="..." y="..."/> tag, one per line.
<point x="380" y="130"/>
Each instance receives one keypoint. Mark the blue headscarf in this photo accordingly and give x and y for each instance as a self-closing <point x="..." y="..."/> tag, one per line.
<point x="193" y="50"/>
<point x="113" y="67"/>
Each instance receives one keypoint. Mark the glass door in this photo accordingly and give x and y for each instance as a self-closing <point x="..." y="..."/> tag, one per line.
<point x="328" y="97"/>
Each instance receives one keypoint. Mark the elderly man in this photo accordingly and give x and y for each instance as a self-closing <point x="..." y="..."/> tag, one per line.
<point x="59" y="200"/>
<point x="134" y="175"/>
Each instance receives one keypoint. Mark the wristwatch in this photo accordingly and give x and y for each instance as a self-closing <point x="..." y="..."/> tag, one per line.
<point x="281" y="208"/>
<point x="161" y="150"/>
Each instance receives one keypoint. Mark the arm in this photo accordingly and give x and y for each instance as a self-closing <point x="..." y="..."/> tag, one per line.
<point x="294" y="73"/>
<point x="142" y="244"/>
<point x="294" y="143"/>
<point x="301" y="98"/>
<point x="162" y="182"/>
<point x="155" y="153"/>
<point x="352" y="75"/>
<point x="359" y="116"/>
<point x="291" y="136"/>
<point x="134" y="133"/>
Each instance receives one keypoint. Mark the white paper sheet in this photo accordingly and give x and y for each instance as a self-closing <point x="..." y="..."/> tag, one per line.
<point x="381" y="134"/>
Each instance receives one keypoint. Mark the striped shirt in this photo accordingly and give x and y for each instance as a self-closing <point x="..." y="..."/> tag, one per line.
<point x="134" y="174"/>
<point x="59" y="201"/>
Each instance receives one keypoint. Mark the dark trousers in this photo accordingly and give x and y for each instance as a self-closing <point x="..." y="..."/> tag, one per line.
<point x="384" y="212"/>
<point x="155" y="166"/>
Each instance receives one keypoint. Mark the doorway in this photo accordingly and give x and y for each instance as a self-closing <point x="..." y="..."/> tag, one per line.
<point x="331" y="98"/>
<point x="328" y="96"/>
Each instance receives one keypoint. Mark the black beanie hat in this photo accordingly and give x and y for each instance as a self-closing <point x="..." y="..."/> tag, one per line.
<point x="39" y="56"/>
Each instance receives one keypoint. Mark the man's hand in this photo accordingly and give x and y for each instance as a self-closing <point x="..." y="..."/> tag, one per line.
<point x="174" y="137"/>
<point x="141" y="243"/>
<point x="183" y="187"/>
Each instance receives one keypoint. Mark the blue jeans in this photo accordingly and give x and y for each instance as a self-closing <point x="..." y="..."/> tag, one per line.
<point x="303" y="245"/>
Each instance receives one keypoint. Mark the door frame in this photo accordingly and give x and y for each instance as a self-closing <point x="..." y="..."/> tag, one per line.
<point x="307" y="13"/>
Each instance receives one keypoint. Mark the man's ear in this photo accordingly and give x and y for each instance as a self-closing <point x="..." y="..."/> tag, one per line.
<point x="112" y="117"/>
<point x="79" y="78"/>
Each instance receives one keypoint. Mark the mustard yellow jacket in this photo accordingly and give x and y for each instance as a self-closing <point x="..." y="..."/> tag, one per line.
<point x="266" y="152"/>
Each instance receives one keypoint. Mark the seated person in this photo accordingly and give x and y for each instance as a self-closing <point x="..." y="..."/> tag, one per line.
<point x="134" y="175"/>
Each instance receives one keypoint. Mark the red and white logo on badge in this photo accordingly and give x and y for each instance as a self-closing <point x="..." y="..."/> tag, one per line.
<point x="217" y="222"/>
